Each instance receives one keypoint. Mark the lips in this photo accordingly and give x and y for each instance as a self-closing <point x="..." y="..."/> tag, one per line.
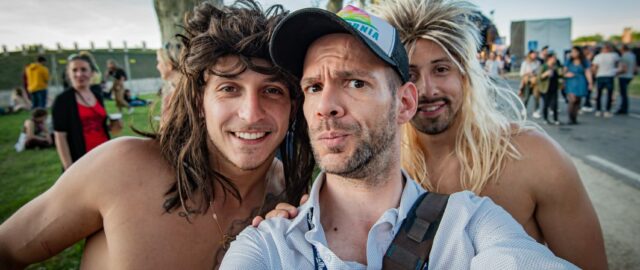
<point x="332" y="139"/>
<point x="431" y="109"/>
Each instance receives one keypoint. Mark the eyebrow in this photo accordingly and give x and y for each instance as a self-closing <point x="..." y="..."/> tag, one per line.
<point x="436" y="61"/>
<point x="276" y="79"/>
<point x="342" y="74"/>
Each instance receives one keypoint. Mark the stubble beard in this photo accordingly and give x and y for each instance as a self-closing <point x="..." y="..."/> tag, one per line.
<point x="371" y="154"/>
<point x="435" y="126"/>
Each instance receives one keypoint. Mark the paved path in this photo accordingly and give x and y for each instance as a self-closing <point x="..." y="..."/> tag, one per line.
<point x="606" y="152"/>
<point x="618" y="208"/>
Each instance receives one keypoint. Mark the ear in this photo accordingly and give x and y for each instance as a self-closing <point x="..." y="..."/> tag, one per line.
<point x="407" y="96"/>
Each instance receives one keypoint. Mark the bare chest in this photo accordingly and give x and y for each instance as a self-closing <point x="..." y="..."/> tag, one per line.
<point x="511" y="191"/>
<point x="141" y="235"/>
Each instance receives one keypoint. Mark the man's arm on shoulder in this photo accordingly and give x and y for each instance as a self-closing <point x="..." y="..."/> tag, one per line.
<point x="248" y="251"/>
<point x="564" y="212"/>
<point x="500" y="242"/>
<point x="63" y="215"/>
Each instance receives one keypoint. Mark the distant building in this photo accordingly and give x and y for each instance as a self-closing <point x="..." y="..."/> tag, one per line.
<point x="535" y="34"/>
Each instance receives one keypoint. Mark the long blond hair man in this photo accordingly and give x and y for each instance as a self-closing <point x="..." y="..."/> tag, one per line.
<point x="468" y="134"/>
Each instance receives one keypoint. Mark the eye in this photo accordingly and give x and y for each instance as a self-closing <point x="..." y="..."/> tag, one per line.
<point x="274" y="91"/>
<point x="441" y="69"/>
<point x="356" y="83"/>
<point x="228" y="89"/>
<point x="413" y="77"/>
<point x="314" y="88"/>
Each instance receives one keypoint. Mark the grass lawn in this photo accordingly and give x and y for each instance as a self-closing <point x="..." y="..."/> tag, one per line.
<point x="25" y="175"/>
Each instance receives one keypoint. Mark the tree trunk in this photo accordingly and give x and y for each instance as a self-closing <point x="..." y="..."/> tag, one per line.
<point x="334" y="5"/>
<point x="171" y="14"/>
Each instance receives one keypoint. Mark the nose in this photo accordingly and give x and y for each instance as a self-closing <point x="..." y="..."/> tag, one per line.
<point x="427" y="87"/>
<point x="251" y="109"/>
<point x="329" y="105"/>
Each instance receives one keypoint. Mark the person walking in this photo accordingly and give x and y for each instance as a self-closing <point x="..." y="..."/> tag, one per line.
<point x="38" y="81"/>
<point x="119" y="77"/>
<point x="529" y="83"/>
<point x="605" y="67"/>
<point x="627" y="69"/>
<point x="550" y="74"/>
<point x="578" y="81"/>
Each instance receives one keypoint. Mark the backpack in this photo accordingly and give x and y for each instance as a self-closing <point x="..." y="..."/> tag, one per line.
<point x="411" y="246"/>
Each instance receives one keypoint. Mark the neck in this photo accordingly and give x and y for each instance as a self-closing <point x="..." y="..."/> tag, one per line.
<point x="248" y="182"/>
<point x="439" y="145"/>
<point x="362" y="201"/>
<point x="82" y="90"/>
<point x="352" y="201"/>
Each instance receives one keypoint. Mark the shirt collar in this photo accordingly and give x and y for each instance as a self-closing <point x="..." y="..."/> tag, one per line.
<point x="410" y="193"/>
<point x="312" y="202"/>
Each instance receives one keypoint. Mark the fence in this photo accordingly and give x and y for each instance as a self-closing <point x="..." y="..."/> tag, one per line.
<point x="137" y="87"/>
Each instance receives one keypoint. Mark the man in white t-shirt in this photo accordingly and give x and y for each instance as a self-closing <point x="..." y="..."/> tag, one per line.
<point x="627" y="70"/>
<point x="494" y="66"/>
<point x="605" y="68"/>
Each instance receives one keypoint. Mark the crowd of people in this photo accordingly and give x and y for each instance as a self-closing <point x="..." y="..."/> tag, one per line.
<point x="79" y="121"/>
<point x="420" y="167"/>
<point x="587" y="72"/>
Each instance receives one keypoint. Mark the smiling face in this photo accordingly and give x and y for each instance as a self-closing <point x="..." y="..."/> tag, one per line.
<point x="439" y="84"/>
<point x="247" y="115"/>
<point x="79" y="73"/>
<point x="353" y="113"/>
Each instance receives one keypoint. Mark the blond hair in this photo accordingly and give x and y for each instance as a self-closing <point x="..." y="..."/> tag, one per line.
<point x="490" y="114"/>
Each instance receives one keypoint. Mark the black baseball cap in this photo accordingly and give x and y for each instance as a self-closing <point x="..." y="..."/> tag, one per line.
<point x="295" y="33"/>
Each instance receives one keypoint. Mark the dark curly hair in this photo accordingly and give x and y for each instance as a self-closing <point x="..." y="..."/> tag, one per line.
<point x="243" y="30"/>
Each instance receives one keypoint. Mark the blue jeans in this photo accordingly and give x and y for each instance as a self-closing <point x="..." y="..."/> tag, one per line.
<point x="39" y="99"/>
<point x="604" y="83"/>
<point x="624" y="84"/>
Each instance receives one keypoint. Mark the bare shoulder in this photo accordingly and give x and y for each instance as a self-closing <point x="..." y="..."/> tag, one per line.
<point x="536" y="145"/>
<point x="120" y="166"/>
<point x="545" y="164"/>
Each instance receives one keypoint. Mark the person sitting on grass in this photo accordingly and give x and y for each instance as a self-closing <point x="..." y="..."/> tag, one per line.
<point x="37" y="133"/>
<point x="134" y="101"/>
<point x="20" y="100"/>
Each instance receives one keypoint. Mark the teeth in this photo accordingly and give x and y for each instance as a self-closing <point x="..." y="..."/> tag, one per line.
<point x="432" y="108"/>
<point x="250" y="136"/>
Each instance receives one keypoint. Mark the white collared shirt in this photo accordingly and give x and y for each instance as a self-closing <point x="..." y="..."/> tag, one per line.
<point x="474" y="233"/>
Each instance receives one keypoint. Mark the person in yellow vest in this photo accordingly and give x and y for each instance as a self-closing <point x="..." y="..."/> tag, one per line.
<point x="38" y="81"/>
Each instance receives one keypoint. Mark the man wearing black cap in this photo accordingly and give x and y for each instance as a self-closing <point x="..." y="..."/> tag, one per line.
<point x="354" y="75"/>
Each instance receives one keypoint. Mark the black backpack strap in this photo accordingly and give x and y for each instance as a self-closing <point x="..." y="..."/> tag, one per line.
<point x="411" y="247"/>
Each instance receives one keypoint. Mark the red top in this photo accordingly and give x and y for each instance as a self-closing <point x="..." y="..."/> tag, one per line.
<point x="92" y="119"/>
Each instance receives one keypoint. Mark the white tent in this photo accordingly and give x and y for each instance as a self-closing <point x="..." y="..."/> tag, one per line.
<point x="535" y="34"/>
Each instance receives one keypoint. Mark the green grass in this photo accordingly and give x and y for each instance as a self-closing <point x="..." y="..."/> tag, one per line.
<point x="27" y="174"/>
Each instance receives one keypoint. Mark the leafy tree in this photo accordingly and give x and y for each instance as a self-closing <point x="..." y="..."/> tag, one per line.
<point x="591" y="38"/>
<point x="615" y="38"/>
<point x="171" y="15"/>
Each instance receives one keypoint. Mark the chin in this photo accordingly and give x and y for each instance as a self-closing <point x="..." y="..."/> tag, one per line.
<point x="332" y="162"/>
<point x="249" y="163"/>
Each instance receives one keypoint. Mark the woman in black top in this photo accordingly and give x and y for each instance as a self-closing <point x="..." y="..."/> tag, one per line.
<point x="79" y="115"/>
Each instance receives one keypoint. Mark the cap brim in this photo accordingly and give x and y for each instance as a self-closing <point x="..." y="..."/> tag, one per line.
<point x="295" y="33"/>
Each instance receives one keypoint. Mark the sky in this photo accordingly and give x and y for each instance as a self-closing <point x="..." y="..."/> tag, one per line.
<point x="49" y="22"/>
